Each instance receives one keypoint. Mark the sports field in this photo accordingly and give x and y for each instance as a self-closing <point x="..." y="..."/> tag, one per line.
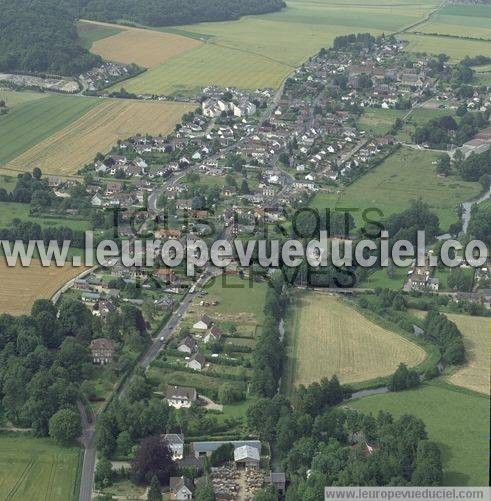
<point x="33" y="119"/>
<point x="327" y="336"/>
<point x="66" y="150"/>
<point x="22" y="286"/>
<point x="455" y="418"/>
<point x="147" y="48"/>
<point x="260" y="51"/>
<point x="37" y="469"/>
<point x="406" y="175"/>
<point x="475" y="374"/>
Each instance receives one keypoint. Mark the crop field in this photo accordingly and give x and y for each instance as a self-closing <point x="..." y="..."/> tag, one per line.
<point x="33" y="120"/>
<point x="260" y="51"/>
<point x="328" y="337"/>
<point x="475" y="374"/>
<point x="406" y="175"/>
<point x="21" y="286"/>
<point x="65" y="151"/>
<point x="36" y="468"/>
<point x="14" y="98"/>
<point x="456" y="419"/>
<point x="147" y="48"/>
<point x="455" y="48"/>
<point x="469" y="21"/>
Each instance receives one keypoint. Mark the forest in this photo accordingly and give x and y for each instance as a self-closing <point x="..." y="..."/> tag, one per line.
<point x="39" y="35"/>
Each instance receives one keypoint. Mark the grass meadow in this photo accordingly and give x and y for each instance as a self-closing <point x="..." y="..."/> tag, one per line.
<point x="15" y="98"/>
<point x="37" y="468"/>
<point x="88" y="33"/>
<point x="406" y="175"/>
<point x="455" y="418"/>
<point x="327" y="337"/>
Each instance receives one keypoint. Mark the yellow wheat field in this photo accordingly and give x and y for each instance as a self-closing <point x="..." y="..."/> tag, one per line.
<point x="146" y="48"/>
<point x="22" y="286"/>
<point x="475" y="374"/>
<point x="330" y="337"/>
<point x="66" y="151"/>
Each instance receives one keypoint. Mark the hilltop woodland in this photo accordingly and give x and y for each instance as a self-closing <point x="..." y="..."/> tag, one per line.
<point x="44" y="361"/>
<point x="40" y="35"/>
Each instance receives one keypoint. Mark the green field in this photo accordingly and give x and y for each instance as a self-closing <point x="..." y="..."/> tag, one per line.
<point x="381" y="279"/>
<point x="405" y="176"/>
<point x="378" y="121"/>
<point x="260" y="51"/>
<point x="470" y="21"/>
<point x="12" y="210"/>
<point x="456" y="48"/>
<point x="90" y="33"/>
<point x="15" y="98"/>
<point x="29" y="123"/>
<point x="36" y="468"/>
<point x="457" y="419"/>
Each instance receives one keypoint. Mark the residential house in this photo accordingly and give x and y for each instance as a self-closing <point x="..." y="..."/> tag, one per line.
<point x="176" y="444"/>
<point x="196" y="362"/>
<point x="213" y="335"/>
<point x="203" y="324"/>
<point x="180" y="396"/>
<point x="205" y="449"/>
<point x="187" y="345"/>
<point x="102" y="350"/>
<point x="181" y="488"/>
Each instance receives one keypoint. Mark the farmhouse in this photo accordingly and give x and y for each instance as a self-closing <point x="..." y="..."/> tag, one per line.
<point x="102" y="350"/>
<point x="196" y="362"/>
<point x="204" y="449"/>
<point x="181" y="488"/>
<point x="180" y="396"/>
<point x="203" y="324"/>
<point x="187" y="345"/>
<point x="176" y="444"/>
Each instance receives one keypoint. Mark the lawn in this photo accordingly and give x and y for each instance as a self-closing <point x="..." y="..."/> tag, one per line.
<point x="475" y="374"/>
<point x="260" y="51"/>
<point x="327" y="337"/>
<point x="21" y="286"/>
<point x="13" y="210"/>
<point x="66" y="150"/>
<point x="378" y="121"/>
<point x="406" y="175"/>
<point x="147" y="48"/>
<point x="457" y="419"/>
<point x="36" y="468"/>
<point x="34" y="120"/>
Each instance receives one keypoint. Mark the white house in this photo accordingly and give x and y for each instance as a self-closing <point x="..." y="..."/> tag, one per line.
<point x="180" y="396"/>
<point x="181" y="488"/>
<point x="187" y="345"/>
<point x="196" y="362"/>
<point x="203" y="324"/>
<point x="212" y="336"/>
<point x="176" y="444"/>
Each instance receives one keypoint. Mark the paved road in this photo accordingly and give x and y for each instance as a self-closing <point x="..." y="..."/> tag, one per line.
<point x="88" y="441"/>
